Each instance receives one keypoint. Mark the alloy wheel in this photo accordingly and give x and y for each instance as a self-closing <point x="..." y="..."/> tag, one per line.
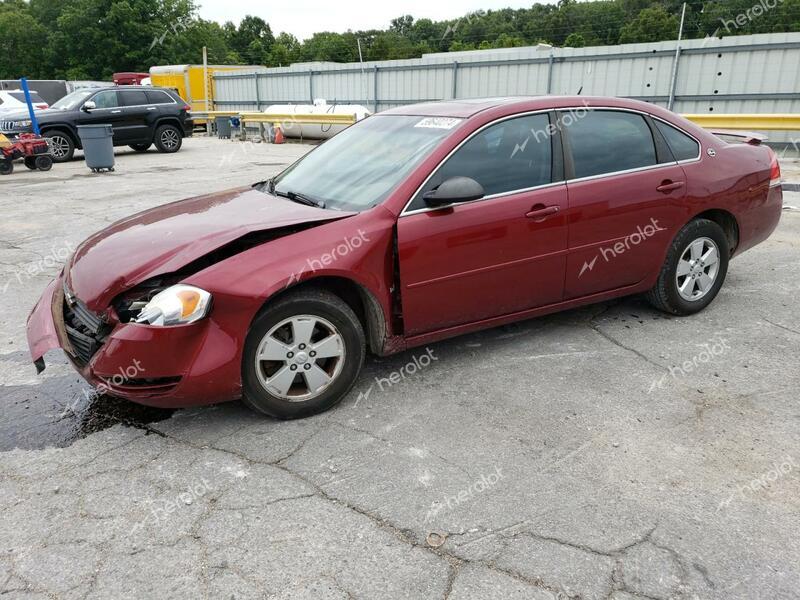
<point x="697" y="270"/>
<point x="300" y="357"/>
<point x="170" y="139"/>
<point x="59" y="146"/>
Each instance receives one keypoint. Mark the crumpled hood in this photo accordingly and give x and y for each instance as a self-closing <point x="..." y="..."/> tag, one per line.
<point x="162" y="240"/>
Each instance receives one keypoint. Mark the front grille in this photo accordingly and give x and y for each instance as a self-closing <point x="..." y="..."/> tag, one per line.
<point x="86" y="331"/>
<point x="6" y="125"/>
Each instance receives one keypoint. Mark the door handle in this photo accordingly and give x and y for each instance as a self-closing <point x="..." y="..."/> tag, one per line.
<point x="114" y="112"/>
<point x="540" y="214"/>
<point x="668" y="186"/>
<point x="151" y="108"/>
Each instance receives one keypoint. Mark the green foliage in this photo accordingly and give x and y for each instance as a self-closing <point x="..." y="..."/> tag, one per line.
<point x="95" y="38"/>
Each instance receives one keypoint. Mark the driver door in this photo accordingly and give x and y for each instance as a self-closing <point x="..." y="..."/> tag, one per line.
<point x="108" y="111"/>
<point x="495" y="256"/>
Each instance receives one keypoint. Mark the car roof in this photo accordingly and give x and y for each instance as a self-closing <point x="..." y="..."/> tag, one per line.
<point x="468" y="107"/>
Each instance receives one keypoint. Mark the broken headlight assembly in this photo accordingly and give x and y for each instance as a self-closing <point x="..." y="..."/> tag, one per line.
<point x="177" y="305"/>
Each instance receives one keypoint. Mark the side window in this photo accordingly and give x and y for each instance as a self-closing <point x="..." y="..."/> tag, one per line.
<point x="609" y="141"/>
<point x="514" y="154"/>
<point x="133" y="97"/>
<point x="682" y="146"/>
<point x="107" y="99"/>
<point x="157" y="97"/>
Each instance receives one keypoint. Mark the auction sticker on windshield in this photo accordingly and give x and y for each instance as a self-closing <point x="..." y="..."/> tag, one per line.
<point x="438" y="122"/>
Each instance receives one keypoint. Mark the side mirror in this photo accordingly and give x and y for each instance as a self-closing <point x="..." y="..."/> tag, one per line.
<point x="453" y="190"/>
<point x="88" y="105"/>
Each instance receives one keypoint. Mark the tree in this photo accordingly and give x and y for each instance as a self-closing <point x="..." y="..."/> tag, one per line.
<point x="651" y="25"/>
<point x="574" y="40"/>
<point x="23" y="52"/>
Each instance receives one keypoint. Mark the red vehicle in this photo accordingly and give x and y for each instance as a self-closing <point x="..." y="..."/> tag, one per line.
<point x="412" y="226"/>
<point x="129" y="78"/>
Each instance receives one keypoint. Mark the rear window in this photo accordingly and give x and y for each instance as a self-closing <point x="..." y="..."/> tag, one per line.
<point x="158" y="97"/>
<point x="682" y="146"/>
<point x="133" y="97"/>
<point x="20" y="96"/>
<point x="608" y="142"/>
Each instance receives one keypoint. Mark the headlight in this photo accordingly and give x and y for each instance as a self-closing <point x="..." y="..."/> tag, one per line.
<point x="22" y="124"/>
<point x="176" y="305"/>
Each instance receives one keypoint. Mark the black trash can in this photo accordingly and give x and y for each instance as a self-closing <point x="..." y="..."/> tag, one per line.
<point x="98" y="146"/>
<point x="223" y="127"/>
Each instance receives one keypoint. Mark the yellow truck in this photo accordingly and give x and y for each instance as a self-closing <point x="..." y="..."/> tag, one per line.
<point x="188" y="81"/>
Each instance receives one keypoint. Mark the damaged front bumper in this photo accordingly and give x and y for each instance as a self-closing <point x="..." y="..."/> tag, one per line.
<point x="170" y="367"/>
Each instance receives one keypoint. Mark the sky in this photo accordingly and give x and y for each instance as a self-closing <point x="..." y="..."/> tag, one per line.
<point x="306" y="17"/>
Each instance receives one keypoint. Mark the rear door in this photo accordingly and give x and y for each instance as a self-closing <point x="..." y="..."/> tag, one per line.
<point x="495" y="256"/>
<point x="136" y="111"/>
<point x="625" y="194"/>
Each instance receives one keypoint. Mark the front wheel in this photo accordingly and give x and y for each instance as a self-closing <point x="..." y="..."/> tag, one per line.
<point x="61" y="145"/>
<point x="694" y="270"/>
<point x="6" y="167"/>
<point x="302" y="355"/>
<point x="30" y="162"/>
<point x="168" y="139"/>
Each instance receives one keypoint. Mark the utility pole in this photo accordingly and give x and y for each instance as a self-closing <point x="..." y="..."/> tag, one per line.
<point x="205" y="75"/>
<point x="674" y="78"/>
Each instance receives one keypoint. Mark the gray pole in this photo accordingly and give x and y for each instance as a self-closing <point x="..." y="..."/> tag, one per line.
<point x="674" y="79"/>
<point x="375" y="105"/>
<point x="455" y="79"/>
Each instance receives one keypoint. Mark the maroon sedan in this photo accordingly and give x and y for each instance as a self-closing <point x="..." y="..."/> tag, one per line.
<point x="414" y="225"/>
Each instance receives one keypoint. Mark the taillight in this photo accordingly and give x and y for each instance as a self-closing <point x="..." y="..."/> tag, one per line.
<point x="42" y="106"/>
<point x="186" y="108"/>
<point x="774" y="170"/>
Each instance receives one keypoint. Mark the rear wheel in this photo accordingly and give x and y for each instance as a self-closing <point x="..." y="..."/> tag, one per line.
<point x="6" y="167"/>
<point x="44" y="163"/>
<point x="30" y="162"/>
<point x="168" y="139"/>
<point x="62" y="148"/>
<point x="694" y="271"/>
<point x="302" y="355"/>
<point x="141" y="147"/>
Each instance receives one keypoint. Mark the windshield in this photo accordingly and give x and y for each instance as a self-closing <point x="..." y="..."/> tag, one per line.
<point x="359" y="167"/>
<point x="72" y="100"/>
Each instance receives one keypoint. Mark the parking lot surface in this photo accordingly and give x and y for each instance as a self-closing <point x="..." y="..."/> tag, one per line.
<point x="610" y="452"/>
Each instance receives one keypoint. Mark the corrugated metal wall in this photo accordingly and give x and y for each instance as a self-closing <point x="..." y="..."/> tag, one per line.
<point x="743" y="74"/>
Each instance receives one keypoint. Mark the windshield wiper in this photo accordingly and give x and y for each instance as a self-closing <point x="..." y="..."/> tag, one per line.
<point x="302" y="199"/>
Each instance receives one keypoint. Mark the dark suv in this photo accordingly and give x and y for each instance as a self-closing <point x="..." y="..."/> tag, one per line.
<point x="140" y="116"/>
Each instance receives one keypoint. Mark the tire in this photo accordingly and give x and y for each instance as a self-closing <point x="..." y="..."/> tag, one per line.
<point x="62" y="148"/>
<point x="168" y="139"/>
<point x="141" y="147"/>
<point x="677" y="295"/>
<point x="30" y="162"/>
<point x="273" y="331"/>
<point x="44" y="163"/>
<point x="6" y="167"/>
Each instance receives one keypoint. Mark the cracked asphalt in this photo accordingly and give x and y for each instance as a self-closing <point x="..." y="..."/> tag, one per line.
<point x="608" y="453"/>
